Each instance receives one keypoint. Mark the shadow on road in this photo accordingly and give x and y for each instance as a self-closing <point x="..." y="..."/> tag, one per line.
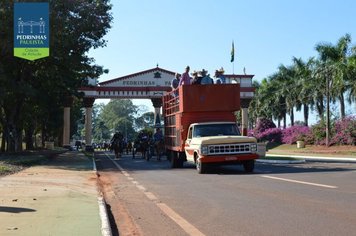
<point x="15" y="209"/>
<point x="139" y="164"/>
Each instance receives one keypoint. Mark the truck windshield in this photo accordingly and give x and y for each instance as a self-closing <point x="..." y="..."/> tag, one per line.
<point x="215" y="130"/>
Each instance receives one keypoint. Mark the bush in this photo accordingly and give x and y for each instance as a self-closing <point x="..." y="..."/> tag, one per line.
<point x="263" y="124"/>
<point x="296" y="133"/>
<point x="270" y="135"/>
<point x="318" y="132"/>
<point x="344" y="132"/>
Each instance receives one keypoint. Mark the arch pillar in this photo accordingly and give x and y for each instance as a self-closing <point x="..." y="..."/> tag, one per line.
<point x="67" y="102"/>
<point x="245" y="103"/>
<point x="157" y="104"/>
<point x="88" y="105"/>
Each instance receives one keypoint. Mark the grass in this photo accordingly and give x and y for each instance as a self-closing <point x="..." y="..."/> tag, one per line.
<point x="4" y="168"/>
<point x="88" y="154"/>
<point x="25" y="160"/>
<point x="312" y="150"/>
<point x="14" y="162"/>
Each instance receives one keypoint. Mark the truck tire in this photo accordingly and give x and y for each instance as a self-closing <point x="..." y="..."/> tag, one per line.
<point x="181" y="158"/>
<point x="174" y="159"/>
<point x="249" y="166"/>
<point x="201" y="167"/>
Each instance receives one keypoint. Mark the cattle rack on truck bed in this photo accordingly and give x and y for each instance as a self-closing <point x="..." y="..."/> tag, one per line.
<point x="196" y="103"/>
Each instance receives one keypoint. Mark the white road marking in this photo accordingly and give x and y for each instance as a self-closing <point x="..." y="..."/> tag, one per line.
<point x="140" y="187"/>
<point x="299" y="182"/>
<point x="184" y="224"/>
<point x="151" y="196"/>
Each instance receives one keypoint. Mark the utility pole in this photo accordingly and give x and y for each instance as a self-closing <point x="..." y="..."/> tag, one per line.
<point x="327" y="130"/>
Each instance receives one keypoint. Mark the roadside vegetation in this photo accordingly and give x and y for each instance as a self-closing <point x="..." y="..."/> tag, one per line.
<point x="13" y="162"/>
<point x="342" y="132"/>
<point x="313" y="150"/>
<point x="316" y="84"/>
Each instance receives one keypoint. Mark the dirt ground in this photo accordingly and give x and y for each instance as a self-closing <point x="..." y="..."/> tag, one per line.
<point x="116" y="210"/>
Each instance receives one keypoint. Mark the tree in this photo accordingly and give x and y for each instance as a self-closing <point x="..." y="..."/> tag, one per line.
<point x="119" y="115"/>
<point x="33" y="91"/>
<point x="145" y="120"/>
<point x="304" y="85"/>
<point x="351" y="78"/>
<point x="336" y="57"/>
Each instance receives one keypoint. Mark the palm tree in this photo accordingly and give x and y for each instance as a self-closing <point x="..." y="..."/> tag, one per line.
<point x="336" y="57"/>
<point x="304" y="86"/>
<point x="351" y="85"/>
<point x="320" y="72"/>
<point x="264" y="104"/>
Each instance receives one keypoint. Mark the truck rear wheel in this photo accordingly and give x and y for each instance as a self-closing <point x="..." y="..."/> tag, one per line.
<point x="180" y="160"/>
<point x="249" y="166"/>
<point x="173" y="159"/>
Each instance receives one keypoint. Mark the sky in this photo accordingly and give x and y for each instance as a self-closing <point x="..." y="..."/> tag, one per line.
<point x="199" y="33"/>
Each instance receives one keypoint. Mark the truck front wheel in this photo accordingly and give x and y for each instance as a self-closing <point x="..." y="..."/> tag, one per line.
<point x="201" y="167"/>
<point x="249" y="166"/>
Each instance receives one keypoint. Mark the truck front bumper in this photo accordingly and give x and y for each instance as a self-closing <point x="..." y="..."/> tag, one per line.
<point x="226" y="159"/>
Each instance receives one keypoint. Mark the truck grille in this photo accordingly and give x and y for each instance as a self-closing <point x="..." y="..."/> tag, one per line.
<point x="229" y="149"/>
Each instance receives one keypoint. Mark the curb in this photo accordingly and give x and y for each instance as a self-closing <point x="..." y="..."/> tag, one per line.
<point x="281" y="161"/>
<point x="105" y="224"/>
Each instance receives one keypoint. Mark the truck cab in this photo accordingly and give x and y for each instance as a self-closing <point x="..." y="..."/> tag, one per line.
<point x="219" y="143"/>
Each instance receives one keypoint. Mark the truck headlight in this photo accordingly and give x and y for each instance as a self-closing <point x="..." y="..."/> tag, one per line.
<point x="253" y="147"/>
<point x="204" y="150"/>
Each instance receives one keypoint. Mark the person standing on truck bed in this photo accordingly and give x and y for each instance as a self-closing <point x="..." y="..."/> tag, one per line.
<point x="185" y="79"/>
<point x="196" y="79"/>
<point x="206" y="78"/>
<point x="219" y="75"/>
<point x="175" y="84"/>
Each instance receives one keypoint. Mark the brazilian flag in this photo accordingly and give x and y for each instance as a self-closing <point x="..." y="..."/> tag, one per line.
<point x="232" y="52"/>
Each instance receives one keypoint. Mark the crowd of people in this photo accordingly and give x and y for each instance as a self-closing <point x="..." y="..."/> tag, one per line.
<point x="198" y="77"/>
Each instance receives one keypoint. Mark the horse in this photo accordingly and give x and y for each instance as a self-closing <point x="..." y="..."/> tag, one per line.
<point x="159" y="148"/>
<point x="129" y="147"/>
<point x="141" y="146"/>
<point x="118" y="147"/>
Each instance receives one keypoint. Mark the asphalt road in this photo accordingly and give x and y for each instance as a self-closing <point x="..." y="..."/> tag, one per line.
<point x="313" y="198"/>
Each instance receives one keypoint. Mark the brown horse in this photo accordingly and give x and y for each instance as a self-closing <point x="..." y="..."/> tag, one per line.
<point x="129" y="147"/>
<point x="159" y="149"/>
<point x="118" y="147"/>
<point x="141" y="146"/>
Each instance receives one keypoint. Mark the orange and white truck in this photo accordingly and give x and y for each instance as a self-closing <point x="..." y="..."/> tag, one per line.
<point x="200" y="126"/>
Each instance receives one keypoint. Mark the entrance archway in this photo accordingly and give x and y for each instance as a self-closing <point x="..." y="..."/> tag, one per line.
<point x="148" y="84"/>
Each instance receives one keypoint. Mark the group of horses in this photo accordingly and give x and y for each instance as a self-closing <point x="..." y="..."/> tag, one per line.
<point x="148" y="148"/>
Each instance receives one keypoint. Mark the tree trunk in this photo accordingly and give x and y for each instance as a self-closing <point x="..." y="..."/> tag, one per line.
<point x="342" y="106"/>
<point x="292" y="117"/>
<point x="3" y="138"/>
<point x="19" y="140"/>
<point x="13" y="127"/>
<point x="284" y="120"/>
<point x="306" y="114"/>
<point x="320" y="108"/>
<point x="29" y="137"/>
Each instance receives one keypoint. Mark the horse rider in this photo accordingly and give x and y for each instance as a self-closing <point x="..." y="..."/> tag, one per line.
<point x="143" y="136"/>
<point x="117" y="136"/>
<point x="158" y="136"/>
